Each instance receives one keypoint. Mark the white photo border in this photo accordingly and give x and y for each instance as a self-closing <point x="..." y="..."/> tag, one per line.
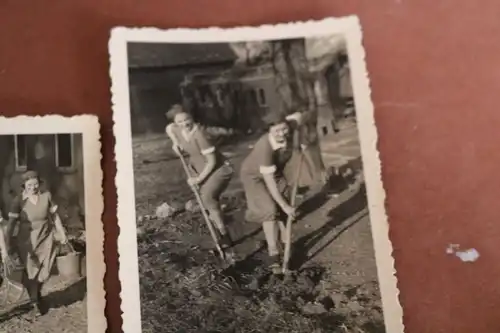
<point x="350" y="28"/>
<point x="88" y="126"/>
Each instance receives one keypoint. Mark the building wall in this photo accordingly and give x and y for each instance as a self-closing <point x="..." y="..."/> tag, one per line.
<point x="153" y="92"/>
<point x="151" y="95"/>
<point x="66" y="186"/>
<point x="257" y="107"/>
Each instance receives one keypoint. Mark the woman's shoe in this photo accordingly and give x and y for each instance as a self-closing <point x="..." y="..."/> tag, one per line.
<point x="275" y="264"/>
<point x="225" y="241"/>
<point x="42" y="306"/>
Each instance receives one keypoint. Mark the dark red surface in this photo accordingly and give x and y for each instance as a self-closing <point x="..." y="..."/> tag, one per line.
<point x="435" y="77"/>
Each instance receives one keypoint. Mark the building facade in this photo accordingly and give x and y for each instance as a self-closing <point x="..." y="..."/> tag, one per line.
<point x="206" y="81"/>
<point x="58" y="158"/>
<point x="231" y="100"/>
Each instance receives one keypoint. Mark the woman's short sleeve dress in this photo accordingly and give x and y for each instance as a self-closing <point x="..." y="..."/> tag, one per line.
<point x="197" y="145"/>
<point x="35" y="239"/>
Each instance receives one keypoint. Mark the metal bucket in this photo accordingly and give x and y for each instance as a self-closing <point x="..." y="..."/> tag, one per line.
<point x="69" y="264"/>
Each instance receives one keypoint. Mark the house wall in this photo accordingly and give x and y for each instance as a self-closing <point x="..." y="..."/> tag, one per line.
<point x="151" y="95"/>
<point x="273" y="100"/>
<point x="153" y="92"/>
<point x="67" y="187"/>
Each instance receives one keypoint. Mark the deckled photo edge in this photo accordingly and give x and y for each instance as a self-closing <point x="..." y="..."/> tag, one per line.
<point x="216" y="34"/>
<point x="350" y="27"/>
<point x="373" y="176"/>
<point x="128" y="271"/>
<point x="94" y="207"/>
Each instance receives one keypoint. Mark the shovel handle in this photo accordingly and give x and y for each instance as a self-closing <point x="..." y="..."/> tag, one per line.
<point x="203" y="210"/>
<point x="68" y="244"/>
<point x="286" y="257"/>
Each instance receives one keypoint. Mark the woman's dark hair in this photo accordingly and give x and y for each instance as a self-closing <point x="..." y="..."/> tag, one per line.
<point x="173" y="111"/>
<point x="30" y="174"/>
<point x="274" y="118"/>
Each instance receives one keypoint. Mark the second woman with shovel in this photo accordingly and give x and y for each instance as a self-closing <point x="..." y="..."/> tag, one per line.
<point x="211" y="171"/>
<point x="266" y="187"/>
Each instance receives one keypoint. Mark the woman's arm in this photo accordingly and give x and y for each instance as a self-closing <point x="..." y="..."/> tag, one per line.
<point x="169" y="130"/>
<point x="272" y="186"/>
<point x="3" y="242"/>
<point x="208" y="150"/>
<point x="56" y="218"/>
<point x="58" y="223"/>
<point x="308" y="158"/>
<point x="209" y="167"/>
<point x="175" y="143"/>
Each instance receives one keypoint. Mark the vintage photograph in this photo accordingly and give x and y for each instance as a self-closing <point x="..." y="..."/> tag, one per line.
<point x="249" y="191"/>
<point x="51" y="236"/>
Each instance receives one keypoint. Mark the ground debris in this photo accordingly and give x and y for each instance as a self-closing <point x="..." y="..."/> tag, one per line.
<point x="192" y="206"/>
<point x="191" y="292"/>
<point x="313" y="308"/>
<point x="166" y="210"/>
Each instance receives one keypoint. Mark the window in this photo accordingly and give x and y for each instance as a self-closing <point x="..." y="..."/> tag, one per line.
<point x="262" y="97"/>
<point x="220" y="98"/>
<point x="64" y="151"/>
<point x="252" y="97"/>
<point x="21" y="152"/>
<point x="325" y="130"/>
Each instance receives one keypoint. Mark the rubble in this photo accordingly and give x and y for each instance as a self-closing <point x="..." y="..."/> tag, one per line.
<point x="192" y="206"/>
<point x="165" y="211"/>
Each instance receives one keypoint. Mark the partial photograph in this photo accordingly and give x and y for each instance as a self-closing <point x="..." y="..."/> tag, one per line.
<point x="249" y="190"/>
<point x="44" y="219"/>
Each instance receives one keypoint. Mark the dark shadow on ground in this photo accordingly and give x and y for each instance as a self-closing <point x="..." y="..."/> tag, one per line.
<point x="355" y="204"/>
<point x="340" y="180"/>
<point x="16" y="311"/>
<point x="72" y="294"/>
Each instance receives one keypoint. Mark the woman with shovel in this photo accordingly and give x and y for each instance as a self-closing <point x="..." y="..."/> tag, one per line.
<point x="264" y="181"/>
<point x="211" y="171"/>
<point x="35" y="214"/>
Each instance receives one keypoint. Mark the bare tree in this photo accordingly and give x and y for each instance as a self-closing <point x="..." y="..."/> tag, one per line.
<point x="294" y="83"/>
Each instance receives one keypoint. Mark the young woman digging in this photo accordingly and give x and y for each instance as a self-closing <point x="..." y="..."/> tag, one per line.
<point x="211" y="171"/>
<point x="264" y="181"/>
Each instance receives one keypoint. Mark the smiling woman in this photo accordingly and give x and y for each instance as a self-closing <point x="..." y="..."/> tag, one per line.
<point x="209" y="170"/>
<point x="32" y="213"/>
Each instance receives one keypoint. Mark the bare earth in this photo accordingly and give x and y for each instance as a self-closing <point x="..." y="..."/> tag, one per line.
<point x="185" y="288"/>
<point x="68" y="313"/>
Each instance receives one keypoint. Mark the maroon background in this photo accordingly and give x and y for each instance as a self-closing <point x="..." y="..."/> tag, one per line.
<point x="435" y="77"/>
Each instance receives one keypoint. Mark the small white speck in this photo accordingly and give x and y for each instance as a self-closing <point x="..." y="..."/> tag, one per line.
<point x="452" y="248"/>
<point x="469" y="255"/>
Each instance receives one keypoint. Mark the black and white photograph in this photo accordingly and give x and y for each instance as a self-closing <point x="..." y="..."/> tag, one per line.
<point x="249" y="190"/>
<point x="50" y="215"/>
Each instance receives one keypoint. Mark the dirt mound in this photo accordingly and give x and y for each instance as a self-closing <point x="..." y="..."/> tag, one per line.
<point x="198" y="295"/>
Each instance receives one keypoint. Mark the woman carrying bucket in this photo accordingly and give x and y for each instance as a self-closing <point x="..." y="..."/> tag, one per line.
<point x="211" y="171"/>
<point x="263" y="177"/>
<point x="35" y="214"/>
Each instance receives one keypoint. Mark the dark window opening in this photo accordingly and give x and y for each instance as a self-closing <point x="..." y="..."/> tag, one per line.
<point x="253" y="97"/>
<point x="64" y="150"/>
<point x="21" y="150"/>
<point x="262" y="97"/>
